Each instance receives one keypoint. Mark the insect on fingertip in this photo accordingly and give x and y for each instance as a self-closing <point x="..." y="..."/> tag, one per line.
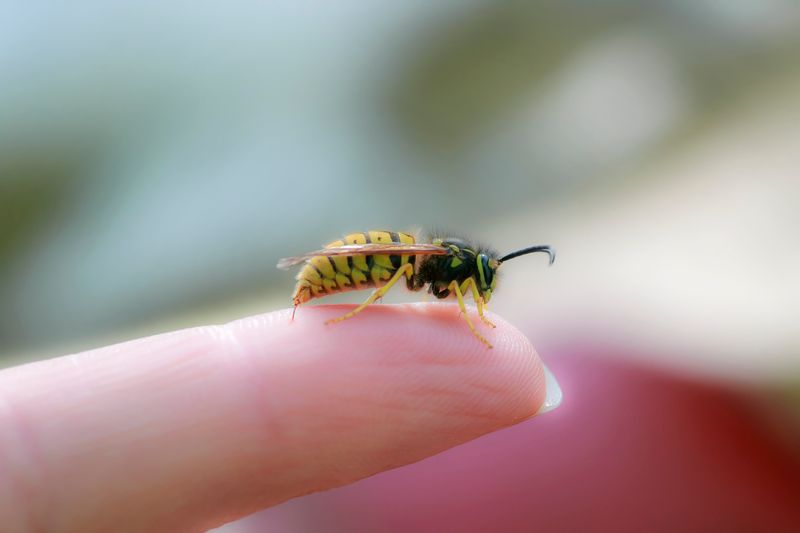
<point x="447" y="266"/>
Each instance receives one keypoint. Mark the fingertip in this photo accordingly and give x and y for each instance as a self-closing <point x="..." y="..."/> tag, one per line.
<point x="423" y="339"/>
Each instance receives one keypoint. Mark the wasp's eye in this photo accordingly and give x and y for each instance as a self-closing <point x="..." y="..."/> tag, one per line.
<point x="485" y="272"/>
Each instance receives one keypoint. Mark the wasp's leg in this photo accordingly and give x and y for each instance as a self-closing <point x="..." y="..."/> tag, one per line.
<point x="470" y="283"/>
<point x="402" y="271"/>
<point x="456" y="289"/>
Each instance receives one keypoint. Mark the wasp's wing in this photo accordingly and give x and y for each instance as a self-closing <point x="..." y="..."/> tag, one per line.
<point x="366" y="249"/>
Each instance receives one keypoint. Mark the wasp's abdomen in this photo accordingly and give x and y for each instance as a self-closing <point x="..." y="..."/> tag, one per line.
<point x="322" y="276"/>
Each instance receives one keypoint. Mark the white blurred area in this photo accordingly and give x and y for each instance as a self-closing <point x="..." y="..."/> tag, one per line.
<point x="695" y="267"/>
<point x="157" y="159"/>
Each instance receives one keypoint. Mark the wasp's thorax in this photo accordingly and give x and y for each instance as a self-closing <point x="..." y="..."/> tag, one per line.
<point x="463" y="262"/>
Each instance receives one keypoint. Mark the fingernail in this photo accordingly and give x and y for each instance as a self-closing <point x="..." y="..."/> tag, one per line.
<point x="553" y="396"/>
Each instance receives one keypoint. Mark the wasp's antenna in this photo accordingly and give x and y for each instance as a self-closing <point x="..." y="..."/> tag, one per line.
<point x="533" y="249"/>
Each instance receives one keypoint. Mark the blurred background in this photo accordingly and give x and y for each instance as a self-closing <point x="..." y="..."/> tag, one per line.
<point x="156" y="160"/>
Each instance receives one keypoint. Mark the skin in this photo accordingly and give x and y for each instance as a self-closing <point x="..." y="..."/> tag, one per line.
<point x="188" y="430"/>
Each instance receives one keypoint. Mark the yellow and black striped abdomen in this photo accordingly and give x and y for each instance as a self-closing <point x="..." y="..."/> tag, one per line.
<point x="321" y="275"/>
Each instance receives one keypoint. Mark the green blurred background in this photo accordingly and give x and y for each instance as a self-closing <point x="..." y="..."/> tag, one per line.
<point x="157" y="159"/>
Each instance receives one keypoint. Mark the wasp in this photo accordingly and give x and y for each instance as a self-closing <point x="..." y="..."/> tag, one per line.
<point x="380" y="259"/>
